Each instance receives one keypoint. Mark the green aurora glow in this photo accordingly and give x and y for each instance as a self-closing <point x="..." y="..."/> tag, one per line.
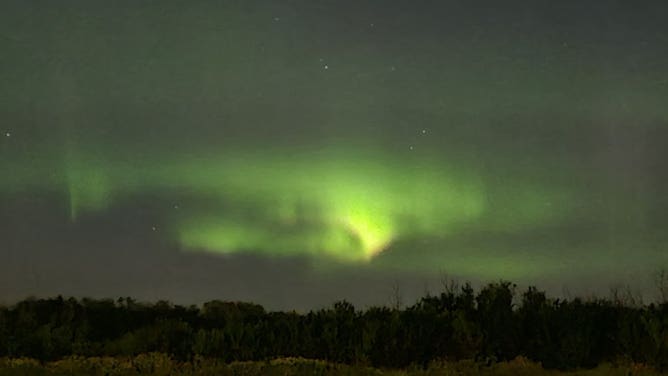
<point x="345" y="204"/>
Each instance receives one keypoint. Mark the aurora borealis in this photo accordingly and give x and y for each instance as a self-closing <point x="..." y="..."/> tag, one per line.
<point x="297" y="152"/>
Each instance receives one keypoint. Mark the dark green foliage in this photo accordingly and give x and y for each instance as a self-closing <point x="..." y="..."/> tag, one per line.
<point x="492" y="325"/>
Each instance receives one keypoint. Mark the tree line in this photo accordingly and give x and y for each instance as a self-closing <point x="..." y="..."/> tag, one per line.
<point x="493" y="324"/>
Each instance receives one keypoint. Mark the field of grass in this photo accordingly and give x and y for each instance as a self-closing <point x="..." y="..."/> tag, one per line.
<point x="160" y="364"/>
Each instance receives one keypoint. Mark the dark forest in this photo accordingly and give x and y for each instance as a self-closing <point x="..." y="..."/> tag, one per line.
<point x="494" y="324"/>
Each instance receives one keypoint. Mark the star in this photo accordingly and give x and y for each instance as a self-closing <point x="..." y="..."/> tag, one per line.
<point x="154" y="228"/>
<point x="424" y="131"/>
<point x="326" y="66"/>
<point x="8" y="134"/>
<point x="176" y="206"/>
<point x="410" y="147"/>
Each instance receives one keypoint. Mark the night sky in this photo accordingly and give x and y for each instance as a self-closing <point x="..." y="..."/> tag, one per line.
<point x="293" y="153"/>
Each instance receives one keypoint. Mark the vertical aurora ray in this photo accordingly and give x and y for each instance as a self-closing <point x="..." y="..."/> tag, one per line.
<point x="88" y="184"/>
<point x="88" y="189"/>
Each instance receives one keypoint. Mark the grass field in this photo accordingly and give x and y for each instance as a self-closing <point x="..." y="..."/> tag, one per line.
<point x="160" y="364"/>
